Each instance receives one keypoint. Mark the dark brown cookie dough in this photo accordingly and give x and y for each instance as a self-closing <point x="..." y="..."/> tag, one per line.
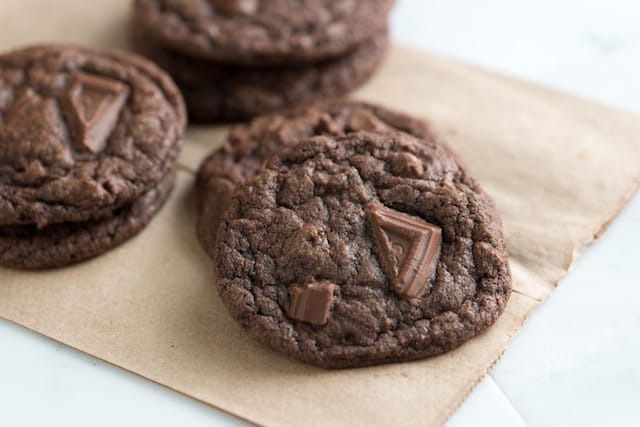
<point x="249" y="145"/>
<point x="215" y="92"/>
<point x="82" y="133"/>
<point x="57" y="245"/>
<point x="254" y="32"/>
<point x="301" y="241"/>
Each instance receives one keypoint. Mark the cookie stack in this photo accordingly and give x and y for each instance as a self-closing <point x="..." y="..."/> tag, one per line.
<point x="346" y="235"/>
<point x="88" y="145"/>
<point x="235" y="59"/>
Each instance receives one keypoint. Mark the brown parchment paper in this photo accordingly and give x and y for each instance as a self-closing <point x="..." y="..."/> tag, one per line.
<point x="558" y="167"/>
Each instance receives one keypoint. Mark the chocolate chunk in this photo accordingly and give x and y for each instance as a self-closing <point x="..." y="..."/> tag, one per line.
<point x="236" y="7"/>
<point x="93" y="104"/>
<point x="312" y="302"/>
<point x="409" y="249"/>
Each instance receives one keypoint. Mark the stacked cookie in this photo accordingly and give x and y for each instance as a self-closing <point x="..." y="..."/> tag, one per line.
<point x="88" y="145"/>
<point x="346" y="235"/>
<point x="234" y="59"/>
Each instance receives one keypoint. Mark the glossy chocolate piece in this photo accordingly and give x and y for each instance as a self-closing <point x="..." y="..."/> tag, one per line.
<point x="312" y="302"/>
<point x="236" y="7"/>
<point x="409" y="249"/>
<point x="93" y="105"/>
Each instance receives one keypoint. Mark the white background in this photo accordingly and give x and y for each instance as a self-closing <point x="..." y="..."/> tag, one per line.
<point x="575" y="362"/>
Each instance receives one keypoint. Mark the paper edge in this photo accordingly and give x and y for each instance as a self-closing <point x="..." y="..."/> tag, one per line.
<point x="578" y="249"/>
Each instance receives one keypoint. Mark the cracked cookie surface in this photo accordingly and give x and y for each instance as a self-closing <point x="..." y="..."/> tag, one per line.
<point x="57" y="245"/>
<point x="248" y="146"/>
<point x="82" y="133"/>
<point x="305" y="221"/>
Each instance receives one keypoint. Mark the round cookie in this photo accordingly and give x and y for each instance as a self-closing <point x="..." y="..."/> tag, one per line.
<point x="215" y="92"/>
<point x="57" y="245"/>
<point x="363" y="249"/>
<point x="254" y="32"/>
<point x="248" y="146"/>
<point x="82" y="132"/>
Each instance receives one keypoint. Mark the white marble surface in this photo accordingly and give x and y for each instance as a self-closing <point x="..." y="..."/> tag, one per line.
<point x="575" y="362"/>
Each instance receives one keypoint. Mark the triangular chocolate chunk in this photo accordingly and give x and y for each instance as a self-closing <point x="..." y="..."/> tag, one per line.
<point x="93" y="105"/>
<point x="409" y="249"/>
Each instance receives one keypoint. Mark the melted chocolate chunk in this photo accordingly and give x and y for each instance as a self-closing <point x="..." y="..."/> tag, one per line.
<point x="312" y="302"/>
<point x="409" y="249"/>
<point x="93" y="106"/>
<point x="236" y="7"/>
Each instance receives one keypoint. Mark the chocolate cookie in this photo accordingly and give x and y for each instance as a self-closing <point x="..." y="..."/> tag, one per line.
<point x="215" y="92"/>
<point x="249" y="145"/>
<point x="56" y="245"/>
<point x="363" y="249"/>
<point x="254" y="32"/>
<point x="82" y="133"/>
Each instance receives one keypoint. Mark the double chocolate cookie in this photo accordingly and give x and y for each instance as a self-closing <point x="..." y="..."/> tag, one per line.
<point x="217" y="92"/>
<point x="88" y="144"/>
<point x="263" y="32"/>
<point x="236" y="59"/>
<point x="248" y="146"/>
<point x="362" y="249"/>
